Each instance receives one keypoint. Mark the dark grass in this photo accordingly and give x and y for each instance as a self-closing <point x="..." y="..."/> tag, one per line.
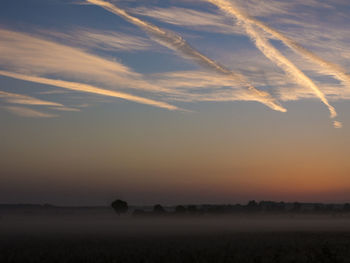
<point x="256" y="247"/>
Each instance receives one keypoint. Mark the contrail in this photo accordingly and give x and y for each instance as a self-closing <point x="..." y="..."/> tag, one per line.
<point x="330" y="68"/>
<point x="271" y="52"/>
<point x="87" y="88"/>
<point x="27" y="112"/>
<point x="175" y="42"/>
<point x="15" y="98"/>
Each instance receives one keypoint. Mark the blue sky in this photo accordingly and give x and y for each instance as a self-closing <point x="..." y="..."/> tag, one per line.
<point x="189" y="76"/>
<point x="218" y="36"/>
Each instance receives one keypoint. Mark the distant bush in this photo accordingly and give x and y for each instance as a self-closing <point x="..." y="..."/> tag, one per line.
<point x="158" y="209"/>
<point x="120" y="206"/>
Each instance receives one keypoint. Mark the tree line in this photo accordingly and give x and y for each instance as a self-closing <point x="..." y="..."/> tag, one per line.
<point x="252" y="207"/>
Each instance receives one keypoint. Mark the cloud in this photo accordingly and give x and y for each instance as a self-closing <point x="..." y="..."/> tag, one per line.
<point x="177" y="43"/>
<point x="109" y="40"/>
<point x="32" y="55"/>
<point x="290" y="16"/>
<point x="102" y="40"/>
<point x="198" y="86"/>
<point x="271" y="52"/>
<point x="268" y="8"/>
<point x="319" y="25"/>
<point x="87" y="88"/>
<point x="65" y="109"/>
<point x="50" y="92"/>
<point x="27" y="100"/>
<point x="28" y="113"/>
<point x="328" y="67"/>
<point x="198" y="20"/>
<point x="337" y="124"/>
<point x="14" y="98"/>
<point x="44" y="57"/>
<point x="32" y="59"/>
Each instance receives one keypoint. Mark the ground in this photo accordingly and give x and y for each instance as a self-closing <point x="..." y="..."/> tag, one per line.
<point x="105" y="237"/>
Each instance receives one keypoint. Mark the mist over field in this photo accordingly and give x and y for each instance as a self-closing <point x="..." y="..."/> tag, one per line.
<point x="99" y="235"/>
<point x="104" y="222"/>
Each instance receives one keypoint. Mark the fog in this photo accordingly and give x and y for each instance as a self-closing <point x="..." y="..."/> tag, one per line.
<point x="104" y="222"/>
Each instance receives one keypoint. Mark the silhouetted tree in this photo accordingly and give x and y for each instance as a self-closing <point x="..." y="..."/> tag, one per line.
<point x="158" y="209"/>
<point x="120" y="206"/>
<point x="252" y="206"/>
<point x="252" y="203"/>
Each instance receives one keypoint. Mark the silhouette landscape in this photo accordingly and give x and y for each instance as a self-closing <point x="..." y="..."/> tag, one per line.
<point x="263" y="231"/>
<point x="156" y="131"/>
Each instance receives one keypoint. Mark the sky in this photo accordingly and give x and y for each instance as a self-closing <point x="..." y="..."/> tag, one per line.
<point x="164" y="101"/>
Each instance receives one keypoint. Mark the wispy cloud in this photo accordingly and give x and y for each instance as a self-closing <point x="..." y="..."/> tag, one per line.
<point x="109" y="40"/>
<point x="197" y="86"/>
<point x="198" y="20"/>
<point x="328" y="67"/>
<point x="295" y="25"/>
<point x="32" y="59"/>
<point x="67" y="60"/>
<point x="33" y="55"/>
<point x="271" y="52"/>
<point x="205" y="86"/>
<point x="337" y="124"/>
<point x="101" y="40"/>
<point x="278" y="8"/>
<point x="175" y="42"/>
<point x="28" y="113"/>
<point x="87" y="88"/>
<point x="50" y="92"/>
<point x="14" y="98"/>
<point x="65" y="109"/>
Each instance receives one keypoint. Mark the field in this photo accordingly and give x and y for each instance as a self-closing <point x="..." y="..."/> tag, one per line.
<point x="104" y="237"/>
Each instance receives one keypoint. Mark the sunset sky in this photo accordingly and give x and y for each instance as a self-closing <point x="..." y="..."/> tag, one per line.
<point x="174" y="101"/>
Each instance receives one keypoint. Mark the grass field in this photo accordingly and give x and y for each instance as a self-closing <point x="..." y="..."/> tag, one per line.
<point x="107" y="238"/>
<point x="234" y="247"/>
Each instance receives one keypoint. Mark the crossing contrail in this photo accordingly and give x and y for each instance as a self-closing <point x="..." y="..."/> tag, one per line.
<point x="271" y="52"/>
<point x="175" y="42"/>
<point x="328" y="67"/>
